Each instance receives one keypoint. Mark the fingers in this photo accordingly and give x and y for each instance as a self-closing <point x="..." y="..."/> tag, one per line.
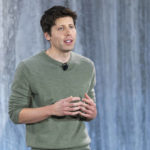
<point x="84" y="115"/>
<point x="89" y="102"/>
<point x="86" y="96"/>
<point x="71" y="99"/>
<point x="88" y="113"/>
<point x="76" y="98"/>
<point x="71" y="105"/>
<point x="74" y="106"/>
<point x="88" y="108"/>
<point x="72" y="109"/>
<point x="71" y="113"/>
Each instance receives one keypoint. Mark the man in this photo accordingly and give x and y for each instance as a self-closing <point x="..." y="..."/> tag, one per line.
<point x="53" y="91"/>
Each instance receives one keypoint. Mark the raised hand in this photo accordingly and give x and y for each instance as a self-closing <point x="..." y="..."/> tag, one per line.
<point x="88" y="108"/>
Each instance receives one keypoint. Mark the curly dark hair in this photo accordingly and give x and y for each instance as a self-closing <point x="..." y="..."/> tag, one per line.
<point x="50" y="16"/>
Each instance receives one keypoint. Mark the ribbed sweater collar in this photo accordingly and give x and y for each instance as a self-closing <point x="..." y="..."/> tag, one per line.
<point x="57" y="63"/>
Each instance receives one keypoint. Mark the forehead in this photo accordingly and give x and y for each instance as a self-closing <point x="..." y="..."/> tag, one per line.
<point x="64" y="21"/>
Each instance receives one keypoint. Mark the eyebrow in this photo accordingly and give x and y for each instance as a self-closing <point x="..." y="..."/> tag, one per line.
<point x="63" y="24"/>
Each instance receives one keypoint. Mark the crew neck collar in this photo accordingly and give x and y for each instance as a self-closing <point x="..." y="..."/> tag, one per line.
<point x="54" y="61"/>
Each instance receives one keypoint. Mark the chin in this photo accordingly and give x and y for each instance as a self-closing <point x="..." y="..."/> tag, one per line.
<point x="67" y="50"/>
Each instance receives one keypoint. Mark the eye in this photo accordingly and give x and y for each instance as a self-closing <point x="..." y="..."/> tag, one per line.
<point x="60" y="28"/>
<point x="71" y="26"/>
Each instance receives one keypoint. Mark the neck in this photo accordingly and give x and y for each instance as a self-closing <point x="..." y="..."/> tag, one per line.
<point x="58" y="55"/>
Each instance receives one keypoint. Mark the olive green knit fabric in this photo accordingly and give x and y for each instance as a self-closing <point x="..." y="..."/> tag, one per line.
<point x="40" y="81"/>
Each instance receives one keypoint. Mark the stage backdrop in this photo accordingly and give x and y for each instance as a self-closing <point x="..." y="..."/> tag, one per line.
<point x="116" y="36"/>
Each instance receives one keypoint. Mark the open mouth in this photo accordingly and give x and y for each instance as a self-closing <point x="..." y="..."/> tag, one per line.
<point x="69" y="41"/>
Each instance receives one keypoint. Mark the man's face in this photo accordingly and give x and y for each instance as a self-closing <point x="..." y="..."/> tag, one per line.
<point x="63" y="34"/>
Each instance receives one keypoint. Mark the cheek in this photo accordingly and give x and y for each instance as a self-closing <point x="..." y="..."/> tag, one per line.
<point x="74" y="34"/>
<point x="56" y="40"/>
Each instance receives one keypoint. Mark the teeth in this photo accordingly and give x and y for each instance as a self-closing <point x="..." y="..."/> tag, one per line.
<point x="68" y="41"/>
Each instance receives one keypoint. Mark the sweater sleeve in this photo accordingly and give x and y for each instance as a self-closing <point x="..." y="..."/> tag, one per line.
<point x="20" y="93"/>
<point x="91" y="91"/>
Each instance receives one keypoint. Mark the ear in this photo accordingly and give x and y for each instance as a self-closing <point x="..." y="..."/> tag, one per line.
<point x="47" y="36"/>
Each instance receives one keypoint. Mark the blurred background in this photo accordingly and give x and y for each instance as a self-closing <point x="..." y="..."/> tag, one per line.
<point x="114" y="34"/>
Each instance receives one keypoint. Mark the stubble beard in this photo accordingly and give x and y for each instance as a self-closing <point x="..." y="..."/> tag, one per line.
<point x="66" y="50"/>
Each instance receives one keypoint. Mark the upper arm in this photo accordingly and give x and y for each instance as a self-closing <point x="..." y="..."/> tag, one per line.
<point x="20" y="93"/>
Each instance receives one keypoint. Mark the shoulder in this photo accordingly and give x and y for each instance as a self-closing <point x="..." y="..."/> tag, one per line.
<point x="82" y="60"/>
<point x="33" y="59"/>
<point x="30" y="63"/>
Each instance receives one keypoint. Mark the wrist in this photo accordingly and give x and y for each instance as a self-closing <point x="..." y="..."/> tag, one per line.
<point x="50" y="110"/>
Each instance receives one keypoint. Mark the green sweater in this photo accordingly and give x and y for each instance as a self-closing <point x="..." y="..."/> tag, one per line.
<point x="40" y="81"/>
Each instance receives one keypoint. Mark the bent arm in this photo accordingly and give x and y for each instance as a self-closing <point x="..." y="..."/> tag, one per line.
<point x="34" y="115"/>
<point x="62" y="107"/>
<point x="89" y="105"/>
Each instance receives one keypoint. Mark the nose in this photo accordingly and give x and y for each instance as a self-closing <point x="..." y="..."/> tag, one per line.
<point x="67" y="31"/>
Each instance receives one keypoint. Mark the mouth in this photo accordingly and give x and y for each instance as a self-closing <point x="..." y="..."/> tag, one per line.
<point x="68" y="41"/>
